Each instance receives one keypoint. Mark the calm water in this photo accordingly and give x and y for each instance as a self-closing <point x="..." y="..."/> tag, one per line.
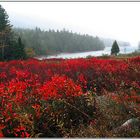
<point x="107" y="50"/>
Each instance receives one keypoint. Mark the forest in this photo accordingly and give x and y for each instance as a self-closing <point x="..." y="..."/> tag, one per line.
<point x="53" y="42"/>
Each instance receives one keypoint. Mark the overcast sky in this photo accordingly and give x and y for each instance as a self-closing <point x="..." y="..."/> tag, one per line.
<point x="118" y="20"/>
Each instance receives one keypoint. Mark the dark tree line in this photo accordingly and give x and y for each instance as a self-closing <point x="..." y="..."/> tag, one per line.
<point x="11" y="46"/>
<point x="53" y="42"/>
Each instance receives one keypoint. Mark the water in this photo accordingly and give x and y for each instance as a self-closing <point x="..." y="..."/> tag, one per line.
<point x="107" y="50"/>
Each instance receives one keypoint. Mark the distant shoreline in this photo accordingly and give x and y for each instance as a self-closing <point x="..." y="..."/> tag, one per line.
<point x="106" y="51"/>
<point x="55" y="54"/>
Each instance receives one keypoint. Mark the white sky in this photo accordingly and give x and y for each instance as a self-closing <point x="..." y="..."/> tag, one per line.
<point x="118" y="20"/>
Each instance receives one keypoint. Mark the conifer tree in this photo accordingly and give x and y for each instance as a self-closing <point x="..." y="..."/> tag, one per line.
<point x="115" y="48"/>
<point x="20" y="49"/>
<point x="10" y="47"/>
<point x="5" y="33"/>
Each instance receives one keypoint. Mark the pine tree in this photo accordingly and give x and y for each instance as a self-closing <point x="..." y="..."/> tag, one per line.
<point x="4" y="22"/>
<point x="5" y="33"/>
<point x="17" y="50"/>
<point x="115" y="48"/>
<point x="10" y="47"/>
<point x="21" y="50"/>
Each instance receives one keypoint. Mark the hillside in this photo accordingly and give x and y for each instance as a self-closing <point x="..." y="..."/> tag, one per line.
<point x="53" y="42"/>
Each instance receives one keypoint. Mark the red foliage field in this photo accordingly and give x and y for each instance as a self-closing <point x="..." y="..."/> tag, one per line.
<point x="31" y="92"/>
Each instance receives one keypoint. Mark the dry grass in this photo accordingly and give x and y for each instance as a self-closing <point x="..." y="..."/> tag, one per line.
<point x="109" y="117"/>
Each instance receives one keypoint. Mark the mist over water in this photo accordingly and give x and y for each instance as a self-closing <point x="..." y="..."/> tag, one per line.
<point x="106" y="51"/>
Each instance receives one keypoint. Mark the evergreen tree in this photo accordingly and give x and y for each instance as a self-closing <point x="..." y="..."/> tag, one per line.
<point x="4" y="22"/>
<point x="115" y="48"/>
<point x="5" y="33"/>
<point x="10" y="47"/>
<point x="16" y="50"/>
<point x="19" y="50"/>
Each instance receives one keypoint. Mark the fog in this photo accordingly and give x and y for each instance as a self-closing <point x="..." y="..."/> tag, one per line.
<point x="117" y="20"/>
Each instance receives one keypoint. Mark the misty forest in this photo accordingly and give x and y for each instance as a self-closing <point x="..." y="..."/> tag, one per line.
<point x="96" y="96"/>
<point x="53" y="42"/>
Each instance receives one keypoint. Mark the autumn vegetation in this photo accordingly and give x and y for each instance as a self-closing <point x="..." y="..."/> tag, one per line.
<point x="69" y="98"/>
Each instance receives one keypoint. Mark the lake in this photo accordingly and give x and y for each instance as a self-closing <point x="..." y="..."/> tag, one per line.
<point x="107" y="50"/>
